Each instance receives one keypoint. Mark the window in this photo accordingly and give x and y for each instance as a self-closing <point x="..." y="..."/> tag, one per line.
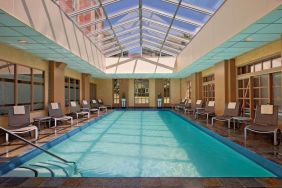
<point x="208" y="88"/>
<point x="38" y="89"/>
<point x="24" y="85"/>
<point x="266" y="86"/>
<point x="72" y="90"/>
<point x="7" y="86"/>
<point x="166" y="91"/>
<point x="277" y="91"/>
<point x="260" y="90"/>
<point x="244" y="94"/>
<point x="189" y="89"/>
<point x="141" y="91"/>
<point x="116" y="91"/>
<point x="260" y="66"/>
<point x="30" y="87"/>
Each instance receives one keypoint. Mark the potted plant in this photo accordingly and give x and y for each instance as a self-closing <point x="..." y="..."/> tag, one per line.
<point x="159" y="100"/>
<point x="123" y="100"/>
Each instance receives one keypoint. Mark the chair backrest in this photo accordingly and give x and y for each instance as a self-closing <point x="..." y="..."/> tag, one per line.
<point x="267" y="115"/>
<point x="55" y="110"/>
<point x="74" y="107"/>
<point x="19" y="116"/>
<point x="232" y="109"/>
<point x="94" y="103"/>
<point x="85" y="104"/>
<point x="210" y="107"/>
<point x="199" y="104"/>
<point x="188" y="103"/>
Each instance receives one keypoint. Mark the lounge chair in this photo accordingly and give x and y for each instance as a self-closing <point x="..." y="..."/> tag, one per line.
<point x="183" y="102"/>
<point x="194" y="109"/>
<point x="231" y="110"/>
<point x="208" y="111"/>
<point x="95" y="104"/>
<point x="101" y="103"/>
<point x="87" y="107"/>
<point x="188" y="105"/>
<point x="19" y="121"/>
<point x="75" y="109"/>
<point x="266" y="122"/>
<point x="56" y="113"/>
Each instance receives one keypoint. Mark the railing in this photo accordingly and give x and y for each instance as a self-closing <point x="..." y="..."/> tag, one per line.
<point x="42" y="149"/>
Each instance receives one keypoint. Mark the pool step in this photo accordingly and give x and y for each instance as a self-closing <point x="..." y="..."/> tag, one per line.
<point x="50" y="168"/>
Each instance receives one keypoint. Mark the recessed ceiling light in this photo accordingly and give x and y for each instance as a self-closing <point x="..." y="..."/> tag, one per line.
<point x="22" y="41"/>
<point x="248" y="39"/>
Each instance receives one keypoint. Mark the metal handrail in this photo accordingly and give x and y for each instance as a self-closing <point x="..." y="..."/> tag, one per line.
<point x="40" y="148"/>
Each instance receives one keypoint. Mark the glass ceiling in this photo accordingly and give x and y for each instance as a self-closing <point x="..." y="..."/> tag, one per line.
<point x="140" y="27"/>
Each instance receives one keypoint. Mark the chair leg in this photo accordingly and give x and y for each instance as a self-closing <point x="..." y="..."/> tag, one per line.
<point x="36" y="133"/>
<point x="7" y="138"/>
<point x="71" y="121"/>
<point x="207" y="118"/>
<point x="55" y="122"/>
<point x="228" y="122"/>
<point x="213" y="120"/>
<point x="275" y="138"/>
<point x="245" y="134"/>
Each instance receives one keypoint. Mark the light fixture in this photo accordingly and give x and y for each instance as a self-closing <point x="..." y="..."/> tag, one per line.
<point x="248" y="39"/>
<point x="22" y="41"/>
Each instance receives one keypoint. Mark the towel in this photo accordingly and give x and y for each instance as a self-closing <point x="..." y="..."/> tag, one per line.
<point x="19" y="110"/>
<point x="99" y="100"/>
<point x="84" y="102"/>
<point x="231" y="105"/>
<point x="266" y="109"/>
<point x="54" y="106"/>
<point x="211" y="103"/>
<point x="189" y="101"/>
<point x="94" y="101"/>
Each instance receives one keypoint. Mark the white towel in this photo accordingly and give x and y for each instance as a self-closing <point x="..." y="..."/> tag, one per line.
<point x="198" y="101"/>
<point x="84" y="102"/>
<point x="94" y="101"/>
<point x="266" y="109"/>
<point x="54" y="106"/>
<point x="19" y="110"/>
<point x="231" y="105"/>
<point x="211" y="103"/>
<point x="100" y="101"/>
<point x="73" y="103"/>
<point x="189" y="101"/>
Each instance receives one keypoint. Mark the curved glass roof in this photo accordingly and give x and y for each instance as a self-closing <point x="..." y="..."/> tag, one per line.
<point x="141" y="27"/>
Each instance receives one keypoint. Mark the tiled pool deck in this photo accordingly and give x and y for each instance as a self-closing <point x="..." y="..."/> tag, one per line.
<point x="261" y="144"/>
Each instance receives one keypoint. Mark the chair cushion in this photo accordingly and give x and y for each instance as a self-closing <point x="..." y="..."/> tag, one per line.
<point x="211" y="103"/>
<point x="266" y="109"/>
<point x="73" y="103"/>
<point x="19" y="110"/>
<point x="231" y="105"/>
<point x="198" y="101"/>
<point x="54" y="106"/>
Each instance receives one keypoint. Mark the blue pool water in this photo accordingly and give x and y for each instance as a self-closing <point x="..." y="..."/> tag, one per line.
<point x="150" y="144"/>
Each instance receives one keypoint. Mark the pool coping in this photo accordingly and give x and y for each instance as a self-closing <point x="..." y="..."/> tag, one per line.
<point x="267" y="164"/>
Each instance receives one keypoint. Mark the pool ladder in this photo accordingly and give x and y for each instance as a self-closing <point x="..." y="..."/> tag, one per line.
<point x="42" y="164"/>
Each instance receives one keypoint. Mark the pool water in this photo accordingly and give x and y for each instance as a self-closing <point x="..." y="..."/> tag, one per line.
<point x="150" y="144"/>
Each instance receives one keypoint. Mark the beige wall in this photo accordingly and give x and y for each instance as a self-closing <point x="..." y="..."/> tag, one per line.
<point x="259" y="53"/>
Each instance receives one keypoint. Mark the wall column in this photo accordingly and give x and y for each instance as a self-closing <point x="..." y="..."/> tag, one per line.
<point x="221" y="86"/>
<point x="85" y="86"/>
<point x="57" y="82"/>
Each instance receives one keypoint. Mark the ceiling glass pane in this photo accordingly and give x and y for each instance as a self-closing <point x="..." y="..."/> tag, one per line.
<point x="120" y="24"/>
<point x="207" y="4"/>
<point x="193" y="15"/>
